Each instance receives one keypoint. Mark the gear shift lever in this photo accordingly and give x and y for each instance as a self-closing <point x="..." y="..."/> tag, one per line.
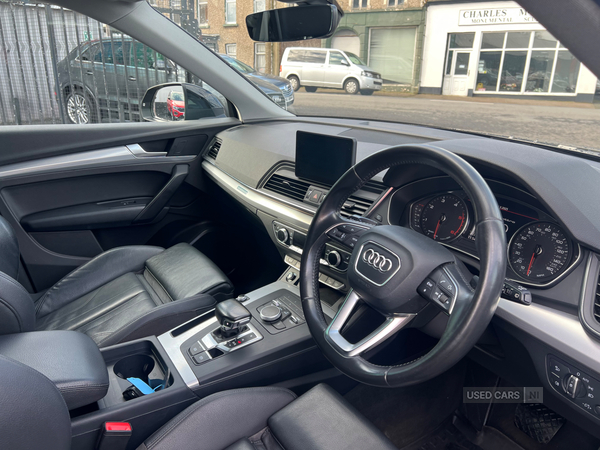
<point x="232" y="316"/>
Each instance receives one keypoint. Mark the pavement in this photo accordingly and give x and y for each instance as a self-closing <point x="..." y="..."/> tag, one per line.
<point x="555" y="122"/>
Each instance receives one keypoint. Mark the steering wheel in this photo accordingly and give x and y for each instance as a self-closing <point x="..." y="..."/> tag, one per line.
<point x="391" y="265"/>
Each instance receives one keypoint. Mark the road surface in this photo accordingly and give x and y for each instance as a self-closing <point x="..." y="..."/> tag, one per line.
<point x="567" y="125"/>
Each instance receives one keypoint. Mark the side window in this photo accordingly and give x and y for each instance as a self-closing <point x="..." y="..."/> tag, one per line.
<point x="315" y="57"/>
<point x="85" y="71"/>
<point x="296" y="56"/>
<point x="336" y="58"/>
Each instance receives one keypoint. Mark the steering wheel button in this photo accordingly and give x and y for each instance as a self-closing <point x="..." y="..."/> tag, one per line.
<point x="426" y="287"/>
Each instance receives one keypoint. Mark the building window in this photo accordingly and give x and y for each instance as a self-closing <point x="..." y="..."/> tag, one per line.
<point x="359" y="4"/>
<point x="395" y="2"/>
<point x="230" y="16"/>
<point x="259" y="5"/>
<point x="202" y="13"/>
<point x="392" y="53"/>
<point x="175" y="4"/>
<point x="231" y="50"/>
<point x="525" y="62"/>
<point x="260" y="57"/>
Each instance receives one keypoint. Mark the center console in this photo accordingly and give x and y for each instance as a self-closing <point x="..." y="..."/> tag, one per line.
<point x="257" y="340"/>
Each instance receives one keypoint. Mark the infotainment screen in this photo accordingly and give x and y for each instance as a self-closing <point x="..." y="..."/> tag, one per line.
<point x="322" y="158"/>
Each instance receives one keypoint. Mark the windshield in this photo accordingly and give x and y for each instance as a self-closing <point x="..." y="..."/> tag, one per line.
<point x="177" y="96"/>
<point x="475" y="67"/>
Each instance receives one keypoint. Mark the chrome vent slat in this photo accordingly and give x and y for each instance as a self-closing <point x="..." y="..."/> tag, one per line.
<point x="296" y="189"/>
<point x="597" y="301"/>
<point x="213" y="151"/>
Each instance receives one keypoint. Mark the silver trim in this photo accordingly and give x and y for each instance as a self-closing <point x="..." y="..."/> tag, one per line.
<point x="583" y="301"/>
<point x="84" y="160"/>
<point x="139" y="152"/>
<point x="557" y="329"/>
<point x="366" y="277"/>
<point x="333" y="334"/>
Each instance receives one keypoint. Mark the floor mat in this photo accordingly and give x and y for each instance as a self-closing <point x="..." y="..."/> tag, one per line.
<point x="446" y="437"/>
<point x="406" y="415"/>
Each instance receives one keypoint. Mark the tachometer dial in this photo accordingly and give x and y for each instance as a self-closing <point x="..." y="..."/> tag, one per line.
<point x="444" y="218"/>
<point x="539" y="251"/>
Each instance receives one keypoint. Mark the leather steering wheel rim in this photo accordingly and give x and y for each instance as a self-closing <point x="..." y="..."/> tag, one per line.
<point x="467" y="321"/>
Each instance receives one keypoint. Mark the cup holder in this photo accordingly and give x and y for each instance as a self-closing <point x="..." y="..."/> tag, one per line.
<point x="138" y="366"/>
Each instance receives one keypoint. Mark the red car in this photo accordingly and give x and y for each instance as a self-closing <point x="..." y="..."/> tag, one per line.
<point x="176" y="104"/>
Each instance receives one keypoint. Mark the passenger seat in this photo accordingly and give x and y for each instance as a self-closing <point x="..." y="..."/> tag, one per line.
<point x="122" y="294"/>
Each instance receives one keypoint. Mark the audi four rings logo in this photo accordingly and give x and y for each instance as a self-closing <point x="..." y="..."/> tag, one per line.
<point x="377" y="260"/>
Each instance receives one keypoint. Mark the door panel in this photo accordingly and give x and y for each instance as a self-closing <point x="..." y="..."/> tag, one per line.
<point x="66" y="209"/>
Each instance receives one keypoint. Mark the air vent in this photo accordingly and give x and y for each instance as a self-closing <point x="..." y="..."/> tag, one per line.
<point x="288" y="187"/>
<point x="296" y="189"/>
<point x="597" y="301"/>
<point x="213" y="151"/>
<point x="356" y="206"/>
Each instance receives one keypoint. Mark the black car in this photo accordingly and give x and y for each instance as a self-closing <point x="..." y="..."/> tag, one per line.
<point x="104" y="78"/>
<point x="277" y="88"/>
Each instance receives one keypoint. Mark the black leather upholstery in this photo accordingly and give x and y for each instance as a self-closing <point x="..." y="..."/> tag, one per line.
<point x="122" y="294"/>
<point x="322" y="419"/>
<point x="269" y="419"/>
<point x="33" y="412"/>
<point x="9" y="249"/>
<point x="72" y="361"/>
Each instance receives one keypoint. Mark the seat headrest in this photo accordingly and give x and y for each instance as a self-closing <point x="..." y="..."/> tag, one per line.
<point x="9" y="249"/>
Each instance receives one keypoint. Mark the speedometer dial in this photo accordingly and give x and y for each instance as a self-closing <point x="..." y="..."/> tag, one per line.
<point x="444" y="218"/>
<point x="539" y="251"/>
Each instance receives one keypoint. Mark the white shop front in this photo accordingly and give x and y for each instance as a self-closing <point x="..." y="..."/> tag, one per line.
<point x="498" y="49"/>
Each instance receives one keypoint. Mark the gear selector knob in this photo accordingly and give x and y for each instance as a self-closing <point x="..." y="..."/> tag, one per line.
<point x="232" y="316"/>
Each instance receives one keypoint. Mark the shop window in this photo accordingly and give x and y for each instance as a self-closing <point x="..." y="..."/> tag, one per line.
<point x="540" y="71"/>
<point x="260" y="57"/>
<point x="391" y="53"/>
<point x="230" y="11"/>
<point x="358" y="4"/>
<point x="488" y="70"/>
<point x="512" y="71"/>
<point x="551" y="67"/>
<point x="462" y="40"/>
<point x="518" y="40"/>
<point x="543" y="39"/>
<point x="493" y="40"/>
<point x="202" y="13"/>
<point x="566" y="73"/>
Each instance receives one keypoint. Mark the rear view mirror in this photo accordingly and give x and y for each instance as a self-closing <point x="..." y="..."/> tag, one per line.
<point x="294" y="23"/>
<point x="180" y="101"/>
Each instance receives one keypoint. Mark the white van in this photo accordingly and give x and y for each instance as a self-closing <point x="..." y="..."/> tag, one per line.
<point x="328" y="68"/>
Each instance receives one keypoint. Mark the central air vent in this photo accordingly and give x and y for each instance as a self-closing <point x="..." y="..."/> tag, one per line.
<point x="597" y="301"/>
<point x="358" y="204"/>
<point x="213" y="151"/>
<point x="287" y="186"/>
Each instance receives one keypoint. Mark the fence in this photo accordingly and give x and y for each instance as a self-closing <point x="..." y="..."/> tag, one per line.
<point x="55" y="63"/>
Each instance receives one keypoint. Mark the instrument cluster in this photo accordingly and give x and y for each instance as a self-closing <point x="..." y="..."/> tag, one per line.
<point x="540" y="250"/>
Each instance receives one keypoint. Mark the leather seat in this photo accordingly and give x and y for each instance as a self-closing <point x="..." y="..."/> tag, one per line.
<point x="122" y="294"/>
<point x="266" y="418"/>
<point x="269" y="418"/>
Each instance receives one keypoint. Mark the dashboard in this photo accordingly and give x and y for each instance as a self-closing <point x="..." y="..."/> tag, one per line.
<point x="551" y="217"/>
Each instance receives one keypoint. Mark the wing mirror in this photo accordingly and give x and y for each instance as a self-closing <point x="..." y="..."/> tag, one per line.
<point x="345" y="63"/>
<point x="295" y="23"/>
<point x="180" y="101"/>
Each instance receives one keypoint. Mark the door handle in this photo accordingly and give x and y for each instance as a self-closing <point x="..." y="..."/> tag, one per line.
<point x="153" y="209"/>
<point x="89" y="72"/>
<point x="131" y="78"/>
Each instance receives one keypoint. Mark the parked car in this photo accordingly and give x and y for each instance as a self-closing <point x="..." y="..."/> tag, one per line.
<point x="328" y="68"/>
<point x="109" y="75"/>
<point x="265" y="82"/>
<point x="176" y="104"/>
